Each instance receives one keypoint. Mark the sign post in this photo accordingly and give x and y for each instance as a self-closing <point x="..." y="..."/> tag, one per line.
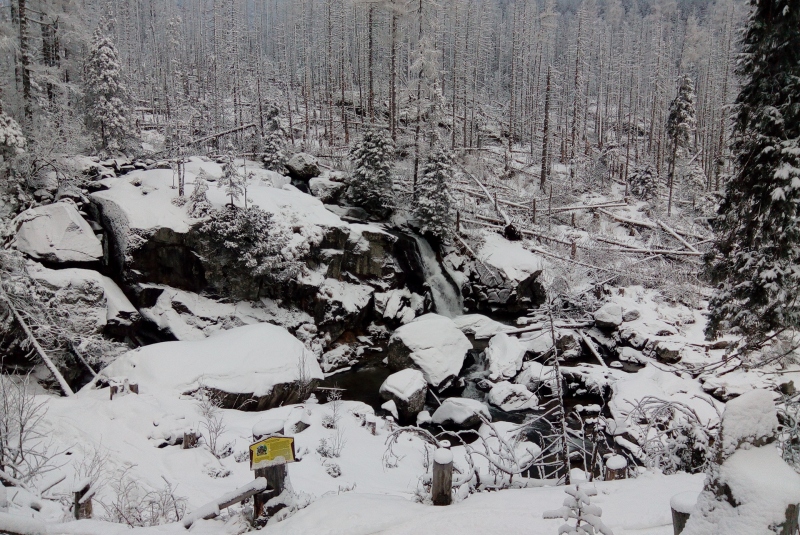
<point x="268" y="459"/>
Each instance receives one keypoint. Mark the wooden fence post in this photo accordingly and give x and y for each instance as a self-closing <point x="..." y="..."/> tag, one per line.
<point x="616" y="466"/>
<point x="682" y="505"/>
<point x="189" y="440"/>
<point x="442" y="482"/>
<point x="276" y="482"/>
<point x="790" y="527"/>
<point x="82" y="505"/>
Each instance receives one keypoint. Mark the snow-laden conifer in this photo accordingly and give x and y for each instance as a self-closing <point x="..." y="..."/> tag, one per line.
<point x="231" y="180"/>
<point x="578" y="507"/>
<point x="758" y="244"/>
<point x="107" y="101"/>
<point x="643" y="183"/>
<point x="198" y="205"/>
<point x="274" y="142"/>
<point x="434" y="204"/>
<point x="371" y="183"/>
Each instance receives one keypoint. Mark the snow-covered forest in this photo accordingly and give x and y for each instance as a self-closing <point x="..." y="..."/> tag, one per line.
<point x="395" y="266"/>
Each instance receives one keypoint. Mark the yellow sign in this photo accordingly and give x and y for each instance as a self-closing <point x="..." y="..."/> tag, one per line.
<point x="271" y="451"/>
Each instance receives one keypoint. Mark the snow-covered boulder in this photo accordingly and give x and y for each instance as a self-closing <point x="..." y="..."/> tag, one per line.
<point x="460" y="412"/>
<point x="631" y="314"/>
<point x="56" y="233"/>
<point x="254" y="367"/>
<point x="325" y="189"/>
<point x="100" y="296"/>
<point x="303" y="166"/>
<point x="512" y="397"/>
<point x="341" y="305"/>
<point x="480" y="326"/>
<point x="609" y="316"/>
<point x="669" y="352"/>
<point x="504" y="356"/>
<point x="431" y="343"/>
<point x="534" y="375"/>
<point x="189" y="316"/>
<point x="506" y="276"/>
<point x="407" y="388"/>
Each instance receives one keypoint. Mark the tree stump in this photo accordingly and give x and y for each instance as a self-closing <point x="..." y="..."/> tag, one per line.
<point x="442" y="482"/>
<point x="82" y="506"/>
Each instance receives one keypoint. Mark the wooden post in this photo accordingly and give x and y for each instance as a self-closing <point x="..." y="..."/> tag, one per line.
<point x="442" y="482"/>
<point x="82" y="504"/>
<point x="790" y="527"/>
<point x="616" y="465"/>
<point x="682" y="505"/>
<point x="134" y="388"/>
<point x="276" y="482"/>
<point x="189" y="440"/>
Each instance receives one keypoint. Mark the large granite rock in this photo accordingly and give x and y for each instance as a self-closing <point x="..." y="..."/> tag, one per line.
<point x="56" y="233"/>
<point x="407" y="388"/>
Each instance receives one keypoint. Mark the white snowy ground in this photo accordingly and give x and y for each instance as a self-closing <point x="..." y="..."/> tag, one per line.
<point x="367" y="498"/>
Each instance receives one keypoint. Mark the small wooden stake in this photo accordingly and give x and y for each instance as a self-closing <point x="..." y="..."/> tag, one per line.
<point x="679" y="521"/>
<point x="790" y="527"/>
<point x="82" y="508"/>
<point x="442" y="482"/>
<point x="189" y="440"/>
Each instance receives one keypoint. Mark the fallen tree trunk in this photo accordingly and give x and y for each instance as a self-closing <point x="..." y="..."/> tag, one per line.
<point x="35" y="343"/>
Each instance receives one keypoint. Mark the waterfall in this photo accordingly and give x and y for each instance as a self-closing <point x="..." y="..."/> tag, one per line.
<point x="446" y="297"/>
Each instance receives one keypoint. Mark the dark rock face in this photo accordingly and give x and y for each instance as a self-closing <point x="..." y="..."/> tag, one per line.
<point x="282" y="394"/>
<point x="490" y="291"/>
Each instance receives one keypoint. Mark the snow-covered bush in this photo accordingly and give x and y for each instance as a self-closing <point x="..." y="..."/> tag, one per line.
<point x="12" y="141"/>
<point x="371" y="182"/>
<point x="138" y="506"/>
<point x="671" y="435"/>
<point x="578" y="507"/>
<point x="25" y="450"/>
<point x="246" y="243"/>
<point x="212" y="421"/>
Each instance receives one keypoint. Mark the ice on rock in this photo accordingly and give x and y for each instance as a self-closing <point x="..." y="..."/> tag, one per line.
<point x="461" y="412"/>
<point x="609" y="316"/>
<point x="251" y="360"/>
<point x="504" y="355"/>
<point x="512" y="397"/>
<point x="431" y="343"/>
<point x="56" y="233"/>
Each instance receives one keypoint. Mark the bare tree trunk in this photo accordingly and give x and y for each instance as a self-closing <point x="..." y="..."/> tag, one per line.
<point x="545" y="132"/>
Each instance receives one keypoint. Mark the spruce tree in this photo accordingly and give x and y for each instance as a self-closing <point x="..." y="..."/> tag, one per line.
<point x="757" y="252"/>
<point x="433" y="206"/>
<point x="274" y="142"/>
<point x="371" y="183"/>
<point x="231" y="180"/>
<point x="107" y="100"/>
<point x="643" y="183"/>
<point x="680" y="127"/>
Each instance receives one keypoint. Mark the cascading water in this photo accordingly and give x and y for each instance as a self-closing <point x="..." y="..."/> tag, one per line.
<point x="446" y="298"/>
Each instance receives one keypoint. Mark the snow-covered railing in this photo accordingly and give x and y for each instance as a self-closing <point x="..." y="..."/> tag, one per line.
<point x="212" y="509"/>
